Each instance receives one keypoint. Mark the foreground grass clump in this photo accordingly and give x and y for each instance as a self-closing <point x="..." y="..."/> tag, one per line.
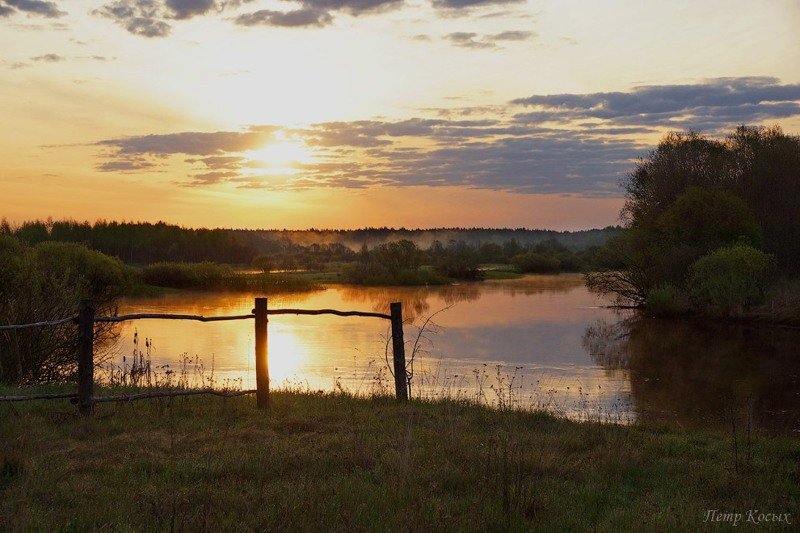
<point x="335" y="462"/>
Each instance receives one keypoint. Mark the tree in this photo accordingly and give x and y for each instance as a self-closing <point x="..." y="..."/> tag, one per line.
<point x="692" y="195"/>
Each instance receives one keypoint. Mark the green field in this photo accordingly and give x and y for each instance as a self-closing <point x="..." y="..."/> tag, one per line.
<point x="334" y="462"/>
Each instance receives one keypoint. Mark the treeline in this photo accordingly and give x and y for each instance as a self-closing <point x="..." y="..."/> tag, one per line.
<point x="140" y="242"/>
<point x="423" y="238"/>
<point x="712" y="225"/>
<point x="404" y="263"/>
<point x="143" y="243"/>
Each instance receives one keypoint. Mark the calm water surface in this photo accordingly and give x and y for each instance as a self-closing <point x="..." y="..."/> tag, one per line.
<point x="540" y="342"/>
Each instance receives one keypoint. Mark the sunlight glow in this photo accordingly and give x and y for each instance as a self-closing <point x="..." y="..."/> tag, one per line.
<point x="287" y="354"/>
<point x="282" y="155"/>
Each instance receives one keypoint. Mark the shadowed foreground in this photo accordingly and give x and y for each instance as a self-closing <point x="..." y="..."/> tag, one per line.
<point x="332" y="462"/>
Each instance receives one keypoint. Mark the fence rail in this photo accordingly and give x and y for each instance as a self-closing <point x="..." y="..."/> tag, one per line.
<point x="40" y="324"/>
<point x="86" y="320"/>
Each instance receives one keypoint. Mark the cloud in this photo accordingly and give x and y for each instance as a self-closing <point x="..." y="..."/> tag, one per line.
<point x="711" y="105"/>
<point x="512" y="36"/>
<point x="185" y="9"/>
<point x="467" y="40"/>
<point x="127" y="164"/>
<point x="314" y="13"/>
<point x="470" y="4"/>
<point x="48" y="58"/>
<point x="220" y="162"/>
<point x="209" y="178"/>
<point x="288" y="19"/>
<point x="473" y="40"/>
<point x="192" y="143"/>
<point x="149" y="18"/>
<point x="354" y="7"/>
<point x="31" y="7"/>
<point x="570" y="144"/>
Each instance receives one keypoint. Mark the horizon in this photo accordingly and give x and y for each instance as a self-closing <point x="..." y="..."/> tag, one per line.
<point x="50" y="220"/>
<point x="387" y="113"/>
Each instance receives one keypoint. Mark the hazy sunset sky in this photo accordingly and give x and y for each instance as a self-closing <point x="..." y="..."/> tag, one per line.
<point x="351" y="113"/>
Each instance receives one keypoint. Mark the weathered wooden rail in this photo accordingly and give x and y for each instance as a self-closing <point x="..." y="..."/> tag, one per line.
<point x="86" y="320"/>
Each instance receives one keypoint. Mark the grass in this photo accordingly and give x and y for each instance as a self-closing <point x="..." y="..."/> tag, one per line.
<point x="335" y="462"/>
<point x="500" y="271"/>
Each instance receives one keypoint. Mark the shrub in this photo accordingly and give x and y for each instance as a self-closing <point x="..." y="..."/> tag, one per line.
<point x="532" y="262"/>
<point x="186" y="275"/>
<point x="729" y="280"/>
<point x="263" y="262"/>
<point x="459" y="260"/>
<point x="665" y="300"/>
<point x="46" y="282"/>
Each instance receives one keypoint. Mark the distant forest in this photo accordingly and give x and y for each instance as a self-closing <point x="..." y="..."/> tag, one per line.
<point x="144" y="243"/>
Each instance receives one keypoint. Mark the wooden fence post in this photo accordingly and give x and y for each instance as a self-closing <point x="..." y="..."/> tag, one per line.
<point x="262" y="356"/>
<point x="86" y="357"/>
<point x="399" y="352"/>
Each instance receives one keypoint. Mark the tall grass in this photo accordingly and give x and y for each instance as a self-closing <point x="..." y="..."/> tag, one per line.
<point x="335" y="462"/>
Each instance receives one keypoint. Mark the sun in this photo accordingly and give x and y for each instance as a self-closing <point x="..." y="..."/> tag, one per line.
<point x="281" y="155"/>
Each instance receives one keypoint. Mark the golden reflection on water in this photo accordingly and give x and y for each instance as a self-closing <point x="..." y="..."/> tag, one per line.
<point x="540" y="341"/>
<point x="534" y="323"/>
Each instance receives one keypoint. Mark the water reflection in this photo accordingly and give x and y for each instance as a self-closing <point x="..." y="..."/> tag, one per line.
<point x="416" y="300"/>
<point x="698" y="373"/>
<point x="540" y="341"/>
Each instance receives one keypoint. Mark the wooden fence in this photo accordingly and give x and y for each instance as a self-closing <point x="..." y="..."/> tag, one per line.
<point x="86" y="320"/>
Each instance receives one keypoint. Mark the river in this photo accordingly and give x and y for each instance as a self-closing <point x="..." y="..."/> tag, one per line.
<point x="542" y="342"/>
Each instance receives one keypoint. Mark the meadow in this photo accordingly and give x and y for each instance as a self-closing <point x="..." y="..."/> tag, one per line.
<point x="349" y="463"/>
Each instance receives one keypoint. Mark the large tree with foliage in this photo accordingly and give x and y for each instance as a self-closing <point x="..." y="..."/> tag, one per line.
<point x="693" y="195"/>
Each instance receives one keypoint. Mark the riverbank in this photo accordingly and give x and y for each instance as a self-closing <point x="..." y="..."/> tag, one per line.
<point x="335" y="462"/>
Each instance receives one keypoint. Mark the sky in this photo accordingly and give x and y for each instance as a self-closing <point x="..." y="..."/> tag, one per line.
<point x="354" y="113"/>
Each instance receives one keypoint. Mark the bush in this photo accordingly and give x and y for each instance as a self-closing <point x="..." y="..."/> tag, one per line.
<point x="43" y="283"/>
<point x="665" y="300"/>
<point x="101" y="276"/>
<point x="263" y="262"/>
<point x="459" y="260"/>
<point x="532" y="262"/>
<point x="186" y="275"/>
<point x="729" y="280"/>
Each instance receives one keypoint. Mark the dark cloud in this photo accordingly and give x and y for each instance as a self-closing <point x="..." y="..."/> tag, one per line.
<point x="221" y="162"/>
<point x="353" y="7"/>
<point x="127" y="164"/>
<point x="185" y="9"/>
<point x="469" y="4"/>
<point x="473" y="40"/>
<point x="714" y="104"/>
<point x="573" y="143"/>
<point x="192" y="143"/>
<point x="288" y="19"/>
<point x="512" y="36"/>
<point x="314" y="13"/>
<point x="467" y="40"/>
<point x="138" y="17"/>
<point x="48" y="58"/>
<point x="149" y="18"/>
<point x="209" y="178"/>
<point x="32" y="7"/>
